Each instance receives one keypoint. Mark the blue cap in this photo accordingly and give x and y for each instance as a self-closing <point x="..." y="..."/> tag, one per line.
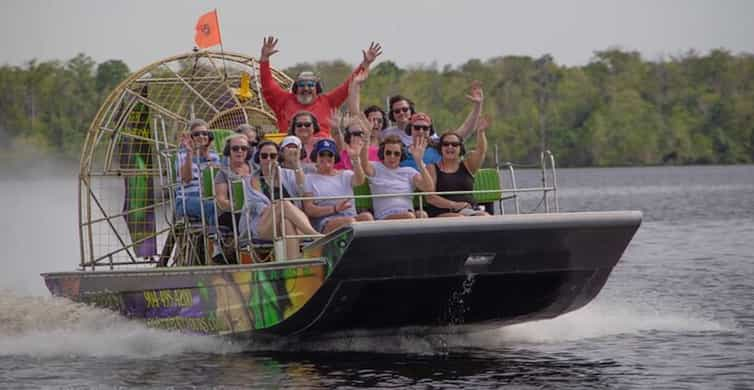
<point x="325" y="145"/>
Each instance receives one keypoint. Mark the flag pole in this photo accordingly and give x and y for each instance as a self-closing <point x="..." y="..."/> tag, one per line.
<point x="222" y="51"/>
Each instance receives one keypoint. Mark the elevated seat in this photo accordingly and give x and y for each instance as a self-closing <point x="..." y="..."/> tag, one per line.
<point x="220" y="135"/>
<point x="275" y="137"/>
<point x="487" y="179"/>
<point x="363" y="204"/>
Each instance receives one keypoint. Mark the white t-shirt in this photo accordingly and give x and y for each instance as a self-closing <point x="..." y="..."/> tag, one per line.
<point x="288" y="177"/>
<point x="392" y="181"/>
<point x="326" y="185"/>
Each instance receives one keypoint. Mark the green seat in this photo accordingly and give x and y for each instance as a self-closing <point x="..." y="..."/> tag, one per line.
<point x="363" y="203"/>
<point x="366" y="203"/>
<point x="219" y="140"/>
<point x="208" y="181"/>
<point x="487" y="179"/>
<point x="423" y="202"/>
<point x="208" y="187"/>
<point x="236" y="187"/>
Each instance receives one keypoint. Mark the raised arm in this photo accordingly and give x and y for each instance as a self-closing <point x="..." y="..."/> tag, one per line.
<point x="424" y="180"/>
<point x="354" y="151"/>
<point x="292" y="157"/>
<point x="354" y="91"/>
<point x="338" y="95"/>
<point x="185" y="168"/>
<point x="475" y="159"/>
<point x="272" y="92"/>
<point x="366" y="165"/>
<point x="476" y="96"/>
<point x="336" y="129"/>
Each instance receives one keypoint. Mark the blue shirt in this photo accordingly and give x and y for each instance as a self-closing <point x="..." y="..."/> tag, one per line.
<point x="431" y="156"/>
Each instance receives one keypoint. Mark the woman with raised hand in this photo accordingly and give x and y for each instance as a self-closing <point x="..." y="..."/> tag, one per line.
<point x="354" y="129"/>
<point x="294" y="155"/>
<point x="193" y="156"/>
<point x="356" y="123"/>
<point x="388" y="177"/>
<point x="330" y="214"/>
<point x="276" y="181"/>
<point x="257" y="214"/>
<point x="455" y="172"/>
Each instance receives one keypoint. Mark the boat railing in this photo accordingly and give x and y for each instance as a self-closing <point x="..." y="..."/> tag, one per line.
<point x="178" y="229"/>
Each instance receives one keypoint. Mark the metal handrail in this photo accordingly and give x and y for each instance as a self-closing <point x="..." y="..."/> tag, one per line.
<point x="167" y="183"/>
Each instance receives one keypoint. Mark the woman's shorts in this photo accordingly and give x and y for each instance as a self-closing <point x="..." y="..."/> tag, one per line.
<point x="388" y="212"/>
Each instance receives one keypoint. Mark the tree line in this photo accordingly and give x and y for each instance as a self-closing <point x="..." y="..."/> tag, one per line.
<point x="618" y="109"/>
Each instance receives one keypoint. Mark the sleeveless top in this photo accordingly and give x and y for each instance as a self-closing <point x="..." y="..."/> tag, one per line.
<point x="274" y="192"/>
<point x="460" y="180"/>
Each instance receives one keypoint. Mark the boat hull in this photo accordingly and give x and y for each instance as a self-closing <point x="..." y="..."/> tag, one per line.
<point x="464" y="272"/>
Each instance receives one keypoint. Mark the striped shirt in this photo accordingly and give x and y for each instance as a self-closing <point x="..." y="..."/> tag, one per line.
<point x="191" y="189"/>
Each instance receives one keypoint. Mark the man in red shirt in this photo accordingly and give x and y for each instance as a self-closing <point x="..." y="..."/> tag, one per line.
<point x="306" y="93"/>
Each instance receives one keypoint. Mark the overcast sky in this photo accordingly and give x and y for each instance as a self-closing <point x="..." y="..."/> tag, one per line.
<point x="411" y="32"/>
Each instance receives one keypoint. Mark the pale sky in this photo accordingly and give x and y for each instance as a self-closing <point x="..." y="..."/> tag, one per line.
<point x="411" y="32"/>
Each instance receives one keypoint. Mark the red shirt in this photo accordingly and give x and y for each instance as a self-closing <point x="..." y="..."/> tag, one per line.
<point x="285" y="105"/>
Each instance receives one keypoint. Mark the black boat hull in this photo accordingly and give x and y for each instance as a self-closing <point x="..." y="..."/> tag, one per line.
<point x="488" y="271"/>
<point x="480" y="272"/>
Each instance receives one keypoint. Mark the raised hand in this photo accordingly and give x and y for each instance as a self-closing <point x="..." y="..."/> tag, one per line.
<point x="337" y="119"/>
<point x="361" y="76"/>
<point x="268" y="48"/>
<point x="187" y="142"/>
<point x="354" y="148"/>
<point x="292" y="157"/>
<point x="372" y="53"/>
<point x="476" y="95"/>
<point x="367" y="133"/>
<point x="418" y="147"/>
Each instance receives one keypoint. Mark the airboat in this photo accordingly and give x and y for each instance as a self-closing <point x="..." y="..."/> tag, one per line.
<point x="465" y="274"/>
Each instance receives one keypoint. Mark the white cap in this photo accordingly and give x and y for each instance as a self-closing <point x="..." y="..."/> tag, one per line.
<point x="291" y="139"/>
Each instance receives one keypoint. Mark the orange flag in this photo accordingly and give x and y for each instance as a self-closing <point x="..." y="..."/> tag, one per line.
<point x="208" y="30"/>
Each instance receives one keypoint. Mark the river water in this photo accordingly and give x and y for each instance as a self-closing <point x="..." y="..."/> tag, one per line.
<point x="677" y="311"/>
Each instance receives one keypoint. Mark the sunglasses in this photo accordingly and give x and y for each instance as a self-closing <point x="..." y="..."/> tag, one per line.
<point x="325" y="153"/>
<point x="401" y="109"/>
<point x="356" y="133"/>
<point x="200" y="133"/>
<point x="239" y="148"/>
<point x="306" y="83"/>
<point x="396" y="153"/>
<point x="453" y="144"/>
<point x="303" y="124"/>
<point x="420" y="127"/>
<point x="265" y="156"/>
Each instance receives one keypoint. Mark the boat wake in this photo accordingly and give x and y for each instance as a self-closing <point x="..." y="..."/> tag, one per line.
<point x="597" y="320"/>
<point x="600" y="319"/>
<point x="49" y="327"/>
